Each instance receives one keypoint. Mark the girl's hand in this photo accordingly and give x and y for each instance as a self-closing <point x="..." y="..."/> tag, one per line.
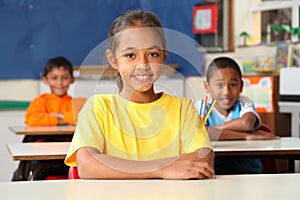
<point x="188" y="169"/>
<point x="261" y="135"/>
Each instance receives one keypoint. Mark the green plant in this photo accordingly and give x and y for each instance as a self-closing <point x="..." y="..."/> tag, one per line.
<point x="245" y="36"/>
<point x="288" y="30"/>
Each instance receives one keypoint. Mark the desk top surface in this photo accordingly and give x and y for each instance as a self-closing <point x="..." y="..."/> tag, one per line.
<point x="284" y="143"/>
<point x="289" y="103"/>
<point x="58" y="150"/>
<point x="43" y="130"/>
<point x="234" y="187"/>
<point x="38" y="150"/>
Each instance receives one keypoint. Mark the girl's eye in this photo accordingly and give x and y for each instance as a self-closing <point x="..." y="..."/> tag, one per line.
<point x="154" y="54"/>
<point x="130" y="55"/>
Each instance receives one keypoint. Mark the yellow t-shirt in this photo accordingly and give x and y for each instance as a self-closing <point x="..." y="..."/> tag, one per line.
<point x="167" y="127"/>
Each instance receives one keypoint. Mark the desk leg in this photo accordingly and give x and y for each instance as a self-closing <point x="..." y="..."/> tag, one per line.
<point x="295" y="133"/>
<point x="295" y="124"/>
<point x="23" y="170"/>
<point x="291" y="166"/>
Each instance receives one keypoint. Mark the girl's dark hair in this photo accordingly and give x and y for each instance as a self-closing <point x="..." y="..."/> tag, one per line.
<point x="56" y="63"/>
<point x="222" y="63"/>
<point x="129" y="19"/>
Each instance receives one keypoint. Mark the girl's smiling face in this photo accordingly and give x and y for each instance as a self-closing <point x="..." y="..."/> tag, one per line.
<point x="138" y="57"/>
<point x="225" y="86"/>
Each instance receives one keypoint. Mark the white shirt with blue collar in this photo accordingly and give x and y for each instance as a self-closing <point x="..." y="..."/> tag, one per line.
<point x="242" y="106"/>
<point x="234" y="165"/>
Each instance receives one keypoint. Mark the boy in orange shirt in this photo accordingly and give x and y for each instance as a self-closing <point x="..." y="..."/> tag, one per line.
<point x="57" y="107"/>
<point x="52" y="109"/>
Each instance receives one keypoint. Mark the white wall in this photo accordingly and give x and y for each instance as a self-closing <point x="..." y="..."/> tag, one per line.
<point x="9" y="118"/>
<point x="18" y="90"/>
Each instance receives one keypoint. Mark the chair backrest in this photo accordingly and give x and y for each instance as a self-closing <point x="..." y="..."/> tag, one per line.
<point x="73" y="173"/>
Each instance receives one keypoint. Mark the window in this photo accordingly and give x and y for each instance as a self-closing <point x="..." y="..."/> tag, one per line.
<point x="278" y="20"/>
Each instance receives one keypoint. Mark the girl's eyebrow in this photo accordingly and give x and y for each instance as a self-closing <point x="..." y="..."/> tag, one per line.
<point x="133" y="48"/>
<point x="155" y="47"/>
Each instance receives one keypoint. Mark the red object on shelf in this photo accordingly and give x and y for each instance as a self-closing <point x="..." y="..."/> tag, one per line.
<point x="205" y="19"/>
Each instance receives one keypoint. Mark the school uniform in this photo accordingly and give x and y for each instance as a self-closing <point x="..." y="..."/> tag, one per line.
<point x="235" y="165"/>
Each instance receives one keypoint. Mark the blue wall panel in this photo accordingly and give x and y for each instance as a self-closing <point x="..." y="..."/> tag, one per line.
<point x="32" y="31"/>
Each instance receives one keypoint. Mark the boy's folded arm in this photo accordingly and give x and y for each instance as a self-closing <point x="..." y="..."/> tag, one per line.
<point x="94" y="165"/>
<point x="218" y="134"/>
<point x="225" y="134"/>
<point x="244" y="123"/>
<point x="68" y="117"/>
<point x="37" y="118"/>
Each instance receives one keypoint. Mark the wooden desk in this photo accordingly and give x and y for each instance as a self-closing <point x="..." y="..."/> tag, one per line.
<point x="285" y="147"/>
<point x="234" y="187"/>
<point x="38" y="150"/>
<point x="43" y="130"/>
<point x="51" y="153"/>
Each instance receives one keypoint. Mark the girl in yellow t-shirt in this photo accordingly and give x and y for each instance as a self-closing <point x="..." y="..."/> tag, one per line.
<point x="137" y="133"/>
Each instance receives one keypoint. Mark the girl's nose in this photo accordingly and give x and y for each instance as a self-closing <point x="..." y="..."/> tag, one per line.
<point x="143" y="64"/>
<point x="143" y="67"/>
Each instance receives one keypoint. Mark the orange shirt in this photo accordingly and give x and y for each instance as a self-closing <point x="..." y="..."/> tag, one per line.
<point x="38" y="112"/>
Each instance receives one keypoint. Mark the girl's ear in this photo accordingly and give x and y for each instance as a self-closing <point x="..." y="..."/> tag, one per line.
<point x="111" y="59"/>
<point x="206" y="88"/>
<point x="45" y="80"/>
<point x="242" y="86"/>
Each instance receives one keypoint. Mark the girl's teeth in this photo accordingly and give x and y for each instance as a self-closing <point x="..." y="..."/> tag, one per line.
<point x="141" y="77"/>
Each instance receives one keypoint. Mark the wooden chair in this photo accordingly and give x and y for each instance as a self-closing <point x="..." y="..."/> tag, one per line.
<point x="44" y="165"/>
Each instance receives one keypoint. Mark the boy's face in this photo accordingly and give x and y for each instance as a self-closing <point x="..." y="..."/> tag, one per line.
<point x="225" y="87"/>
<point x="59" y="81"/>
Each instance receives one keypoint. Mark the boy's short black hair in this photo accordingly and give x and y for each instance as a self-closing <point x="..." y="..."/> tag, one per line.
<point x="222" y="63"/>
<point x="58" y="62"/>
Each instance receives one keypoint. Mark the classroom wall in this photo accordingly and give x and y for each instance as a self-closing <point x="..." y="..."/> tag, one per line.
<point x="35" y="30"/>
<point x="9" y="118"/>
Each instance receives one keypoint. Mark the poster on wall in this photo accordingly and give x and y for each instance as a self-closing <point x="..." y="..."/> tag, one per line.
<point x="205" y="19"/>
<point x="260" y="90"/>
<point x="283" y="55"/>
